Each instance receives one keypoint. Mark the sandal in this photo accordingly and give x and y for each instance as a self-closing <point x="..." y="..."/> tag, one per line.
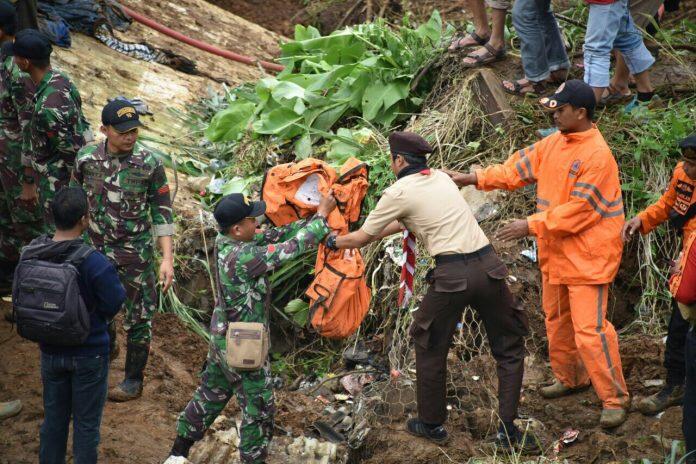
<point x="610" y="98"/>
<point x="517" y="89"/>
<point x="491" y="56"/>
<point x="457" y="42"/>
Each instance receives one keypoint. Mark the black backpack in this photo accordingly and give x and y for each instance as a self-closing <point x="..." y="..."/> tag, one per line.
<point x="46" y="299"/>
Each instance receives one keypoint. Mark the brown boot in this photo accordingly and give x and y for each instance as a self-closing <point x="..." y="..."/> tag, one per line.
<point x="557" y="390"/>
<point x="670" y="395"/>
<point x="612" y="418"/>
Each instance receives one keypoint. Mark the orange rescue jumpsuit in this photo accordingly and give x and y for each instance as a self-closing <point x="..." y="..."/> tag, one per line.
<point x="578" y="229"/>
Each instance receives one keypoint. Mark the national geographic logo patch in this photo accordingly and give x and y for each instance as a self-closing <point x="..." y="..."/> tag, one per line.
<point x="127" y="112"/>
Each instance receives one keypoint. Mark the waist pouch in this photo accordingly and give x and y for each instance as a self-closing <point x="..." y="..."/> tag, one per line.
<point x="247" y="345"/>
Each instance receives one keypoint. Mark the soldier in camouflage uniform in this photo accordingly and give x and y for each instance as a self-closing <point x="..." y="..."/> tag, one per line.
<point x="57" y="128"/>
<point x="244" y="258"/>
<point x="129" y="203"/>
<point x="20" y="221"/>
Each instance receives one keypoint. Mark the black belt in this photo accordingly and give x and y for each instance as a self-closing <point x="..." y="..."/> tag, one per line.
<point x="464" y="257"/>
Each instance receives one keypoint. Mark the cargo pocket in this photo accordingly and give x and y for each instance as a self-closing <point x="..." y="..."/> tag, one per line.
<point x="420" y="329"/>
<point x="499" y="272"/>
<point x="449" y="284"/>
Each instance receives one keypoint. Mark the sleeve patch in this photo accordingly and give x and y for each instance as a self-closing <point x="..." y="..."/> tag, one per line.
<point x="164" y="189"/>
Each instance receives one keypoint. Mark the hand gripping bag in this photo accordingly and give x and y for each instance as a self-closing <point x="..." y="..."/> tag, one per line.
<point x="339" y="295"/>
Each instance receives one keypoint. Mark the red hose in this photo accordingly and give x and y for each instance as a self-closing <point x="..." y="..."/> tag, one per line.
<point x="201" y="45"/>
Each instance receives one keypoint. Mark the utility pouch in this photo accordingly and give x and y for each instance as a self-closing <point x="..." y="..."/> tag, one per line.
<point x="247" y="345"/>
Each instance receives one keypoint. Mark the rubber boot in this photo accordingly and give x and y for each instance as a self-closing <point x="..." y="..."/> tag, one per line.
<point x="670" y="395"/>
<point x="557" y="390"/>
<point x="612" y="418"/>
<point x="181" y="446"/>
<point x="132" y="386"/>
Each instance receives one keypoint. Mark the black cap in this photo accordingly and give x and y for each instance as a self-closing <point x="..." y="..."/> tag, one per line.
<point x="121" y="115"/>
<point x="408" y="143"/>
<point x="8" y="17"/>
<point x="688" y="147"/>
<point x="32" y="44"/>
<point x="235" y="207"/>
<point x="574" y="92"/>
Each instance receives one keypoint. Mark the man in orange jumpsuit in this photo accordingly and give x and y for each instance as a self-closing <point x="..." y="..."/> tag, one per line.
<point x="578" y="229"/>
<point x="678" y="206"/>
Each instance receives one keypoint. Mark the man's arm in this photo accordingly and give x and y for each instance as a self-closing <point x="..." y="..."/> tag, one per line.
<point x="163" y="223"/>
<point x="658" y="212"/>
<point x="360" y="238"/>
<point x="257" y="260"/>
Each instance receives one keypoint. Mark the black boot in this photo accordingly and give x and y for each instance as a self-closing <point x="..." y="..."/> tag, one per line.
<point x="510" y="438"/>
<point x="132" y="386"/>
<point x="181" y="446"/>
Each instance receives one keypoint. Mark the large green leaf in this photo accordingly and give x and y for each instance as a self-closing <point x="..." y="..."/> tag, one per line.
<point x="381" y="95"/>
<point x="230" y="123"/>
<point x="432" y="30"/>
<point x="281" y="121"/>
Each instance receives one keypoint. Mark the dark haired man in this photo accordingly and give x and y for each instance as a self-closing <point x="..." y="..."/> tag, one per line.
<point x="468" y="271"/>
<point x="578" y="229"/>
<point x="244" y="258"/>
<point x="57" y="128"/>
<point x="678" y="207"/>
<point x="130" y="203"/>
<point x="75" y="378"/>
<point x="20" y="218"/>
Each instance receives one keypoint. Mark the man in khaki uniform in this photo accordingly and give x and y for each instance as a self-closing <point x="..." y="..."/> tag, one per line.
<point x="427" y="203"/>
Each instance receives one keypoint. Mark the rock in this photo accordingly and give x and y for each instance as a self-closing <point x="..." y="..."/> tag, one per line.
<point x="483" y="204"/>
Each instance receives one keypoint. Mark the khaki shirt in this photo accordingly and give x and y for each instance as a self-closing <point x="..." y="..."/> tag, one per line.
<point x="431" y="207"/>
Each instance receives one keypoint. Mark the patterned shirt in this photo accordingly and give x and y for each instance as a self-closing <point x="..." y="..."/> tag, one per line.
<point x="128" y="200"/>
<point x="57" y="128"/>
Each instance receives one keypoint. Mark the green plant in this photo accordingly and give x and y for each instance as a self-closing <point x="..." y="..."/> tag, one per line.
<point x="370" y="71"/>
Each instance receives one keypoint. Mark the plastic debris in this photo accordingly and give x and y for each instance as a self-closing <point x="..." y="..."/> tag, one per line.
<point x="530" y="254"/>
<point x="654" y="383"/>
<point x="355" y="383"/>
<point x="569" y="436"/>
<point x="341" y="397"/>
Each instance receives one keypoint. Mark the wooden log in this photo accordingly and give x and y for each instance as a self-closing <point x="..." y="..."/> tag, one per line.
<point x="492" y="98"/>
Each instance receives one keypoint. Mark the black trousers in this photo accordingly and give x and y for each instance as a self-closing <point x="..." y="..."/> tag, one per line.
<point x="689" y="412"/>
<point x="674" y="349"/>
<point x="480" y="283"/>
<point x="26" y="14"/>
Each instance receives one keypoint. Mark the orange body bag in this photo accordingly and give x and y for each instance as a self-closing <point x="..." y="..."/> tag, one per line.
<point x="339" y="295"/>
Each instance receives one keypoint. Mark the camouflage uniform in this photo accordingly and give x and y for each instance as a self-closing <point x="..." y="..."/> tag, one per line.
<point x="19" y="222"/>
<point x="128" y="201"/>
<point x="55" y="134"/>
<point x="243" y="272"/>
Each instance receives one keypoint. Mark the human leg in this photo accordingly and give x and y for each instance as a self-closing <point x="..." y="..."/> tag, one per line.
<point x="208" y="401"/>
<point x="566" y="364"/>
<point x="603" y="25"/>
<point x="90" y="383"/>
<point x="689" y="411"/>
<point x="56" y="378"/>
<point x="139" y="281"/>
<point x="255" y="396"/>
<point x="598" y="344"/>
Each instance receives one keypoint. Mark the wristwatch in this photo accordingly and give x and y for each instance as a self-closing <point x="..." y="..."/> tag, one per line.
<point x="331" y="242"/>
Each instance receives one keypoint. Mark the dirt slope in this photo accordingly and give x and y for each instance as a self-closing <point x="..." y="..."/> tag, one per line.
<point x="102" y="73"/>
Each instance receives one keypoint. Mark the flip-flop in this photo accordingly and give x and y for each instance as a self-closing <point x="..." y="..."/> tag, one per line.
<point x="614" y="98"/>
<point x="491" y="56"/>
<point x="479" y="41"/>
<point x="537" y="88"/>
